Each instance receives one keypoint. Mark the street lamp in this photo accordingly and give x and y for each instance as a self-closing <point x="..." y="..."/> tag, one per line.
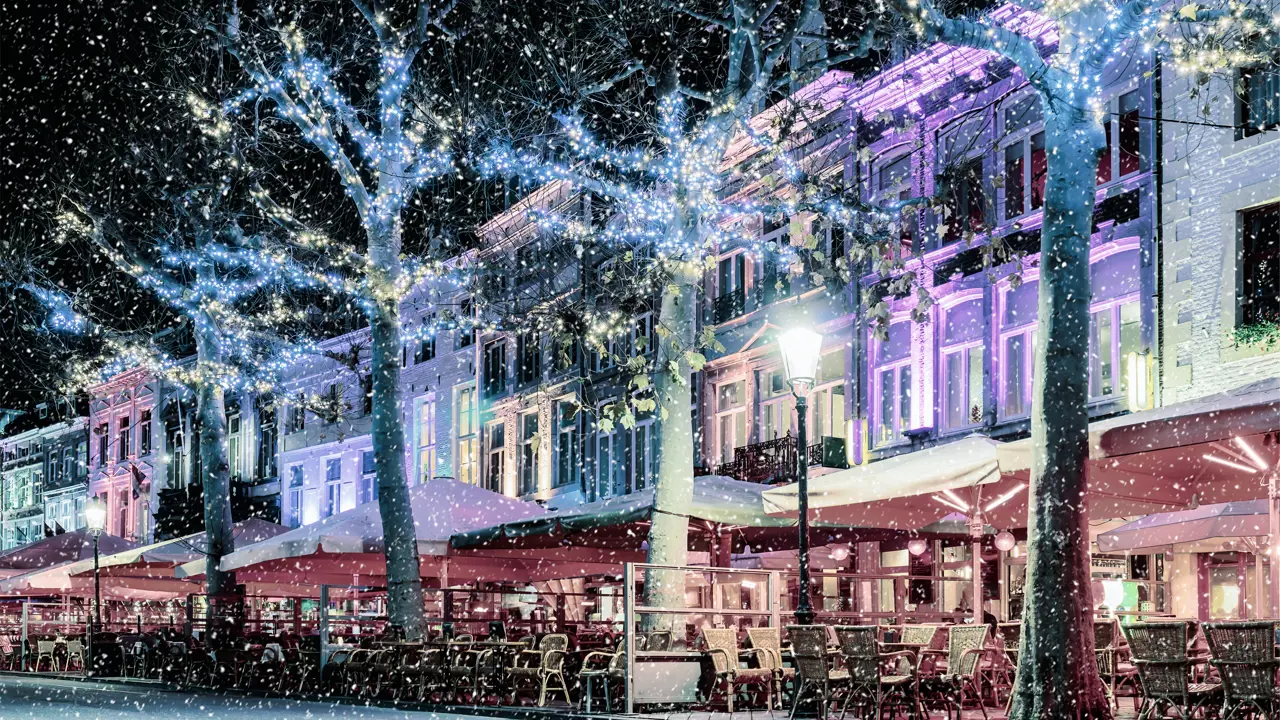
<point x="95" y="519"/>
<point x="801" y="350"/>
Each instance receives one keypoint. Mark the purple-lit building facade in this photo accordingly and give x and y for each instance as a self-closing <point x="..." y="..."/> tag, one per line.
<point x="962" y="115"/>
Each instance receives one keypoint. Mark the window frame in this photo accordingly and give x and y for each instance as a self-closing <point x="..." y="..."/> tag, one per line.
<point x="424" y="446"/>
<point x="467" y="440"/>
<point x="1029" y="329"/>
<point x="875" y="393"/>
<point x="1023" y="136"/>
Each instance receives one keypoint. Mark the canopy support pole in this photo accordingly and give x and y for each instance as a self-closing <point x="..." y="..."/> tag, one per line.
<point x="1273" y="510"/>
<point x="975" y="535"/>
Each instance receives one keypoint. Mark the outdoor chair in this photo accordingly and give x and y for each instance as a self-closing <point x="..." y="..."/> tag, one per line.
<point x="1160" y="653"/>
<point x="407" y="677"/>
<point x="335" y="675"/>
<point x="722" y="647"/>
<point x="44" y="651"/>
<point x="1011" y="635"/>
<point x="658" y="640"/>
<point x="1243" y="655"/>
<point x="544" y="666"/>
<point x="870" y="687"/>
<point x="1113" y="663"/>
<point x="769" y="641"/>
<point x="8" y="657"/>
<point x="959" y="680"/>
<point x="604" y="668"/>
<point x="75" y="654"/>
<point x="809" y="654"/>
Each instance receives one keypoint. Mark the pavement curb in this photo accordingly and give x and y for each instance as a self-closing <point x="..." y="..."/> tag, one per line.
<point x="487" y="711"/>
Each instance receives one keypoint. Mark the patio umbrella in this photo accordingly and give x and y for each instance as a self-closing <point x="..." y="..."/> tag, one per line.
<point x="57" y="581"/>
<point x="723" y="510"/>
<point x="59" y="549"/>
<point x="160" y="559"/>
<point x="347" y="548"/>
<point x="1208" y="528"/>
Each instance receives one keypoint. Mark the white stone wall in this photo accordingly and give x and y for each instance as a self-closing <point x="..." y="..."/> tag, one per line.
<point x="1209" y="176"/>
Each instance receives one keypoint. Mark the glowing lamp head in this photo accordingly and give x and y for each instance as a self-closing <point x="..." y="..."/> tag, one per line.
<point x="917" y="546"/>
<point x="1005" y="541"/>
<point x="840" y="553"/>
<point x="95" y="516"/>
<point x="801" y="351"/>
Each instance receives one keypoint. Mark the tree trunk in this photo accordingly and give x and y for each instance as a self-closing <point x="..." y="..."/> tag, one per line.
<point x="673" y="492"/>
<point x="214" y="467"/>
<point x="400" y="538"/>
<point x="1057" y="669"/>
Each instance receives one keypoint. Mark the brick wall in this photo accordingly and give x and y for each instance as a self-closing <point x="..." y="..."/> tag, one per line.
<point x="1209" y="176"/>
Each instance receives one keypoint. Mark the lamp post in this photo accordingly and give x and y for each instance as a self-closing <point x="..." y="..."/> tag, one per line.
<point x="800" y="353"/>
<point x="95" y="519"/>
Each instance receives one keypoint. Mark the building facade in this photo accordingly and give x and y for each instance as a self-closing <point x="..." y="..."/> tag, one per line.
<point x="43" y="479"/>
<point x="1220" y="211"/>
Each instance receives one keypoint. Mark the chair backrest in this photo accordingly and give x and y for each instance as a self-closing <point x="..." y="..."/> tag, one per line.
<point x="768" y="640"/>
<point x="659" y="640"/>
<point x="554" y="641"/>
<point x="860" y="651"/>
<point x="809" y="651"/>
<point x="1156" y="648"/>
<point x="723" y="639"/>
<point x="1011" y="634"/>
<point x="1104" y="633"/>
<point x="1242" y="652"/>
<point x="74" y="646"/>
<point x="919" y="634"/>
<point x="44" y="646"/>
<point x="960" y="639"/>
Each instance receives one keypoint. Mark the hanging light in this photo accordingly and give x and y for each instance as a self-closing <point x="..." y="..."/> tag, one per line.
<point x="840" y="553"/>
<point x="917" y="546"/>
<point x="1005" y="541"/>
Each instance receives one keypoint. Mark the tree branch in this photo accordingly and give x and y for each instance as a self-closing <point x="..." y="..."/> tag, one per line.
<point x="1131" y="20"/>
<point x="976" y="34"/>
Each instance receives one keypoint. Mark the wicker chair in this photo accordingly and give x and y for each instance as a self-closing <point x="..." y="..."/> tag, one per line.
<point x="809" y="653"/>
<point x="1011" y="635"/>
<point x="606" y="668"/>
<point x="768" y="640"/>
<point x="1242" y="653"/>
<point x="869" y="686"/>
<point x="921" y="635"/>
<point x="966" y="645"/>
<point x="545" y="666"/>
<point x="1160" y="652"/>
<point x="1112" y="661"/>
<point x="722" y="646"/>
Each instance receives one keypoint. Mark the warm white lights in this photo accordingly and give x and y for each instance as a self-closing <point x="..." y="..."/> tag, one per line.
<point x="801" y="349"/>
<point x="1005" y="541"/>
<point x="1229" y="463"/>
<point x="95" y="515"/>
<point x="948" y="503"/>
<point x="1005" y="497"/>
<point x="917" y="546"/>
<point x="1253" y="454"/>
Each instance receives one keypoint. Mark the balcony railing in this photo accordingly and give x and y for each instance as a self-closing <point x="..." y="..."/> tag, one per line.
<point x="773" y="461"/>
<point x="730" y="305"/>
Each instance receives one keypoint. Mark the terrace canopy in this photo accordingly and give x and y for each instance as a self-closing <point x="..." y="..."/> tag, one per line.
<point x="347" y="548"/>
<point x="1221" y="527"/>
<point x="58" y="581"/>
<point x="1141" y="463"/>
<point x="58" y="550"/>
<point x="725" y="514"/>
<point x="159" y="560"/>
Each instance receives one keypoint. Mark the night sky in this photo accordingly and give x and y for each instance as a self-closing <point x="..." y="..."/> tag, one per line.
<point x="74" y="81"/>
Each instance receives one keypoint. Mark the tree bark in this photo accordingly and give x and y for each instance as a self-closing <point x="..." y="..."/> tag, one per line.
<point x="214" y="468"/>
<point x="673" y="491"/>
<point x="400" y="537"/>
<point x="1057" y="669"/>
